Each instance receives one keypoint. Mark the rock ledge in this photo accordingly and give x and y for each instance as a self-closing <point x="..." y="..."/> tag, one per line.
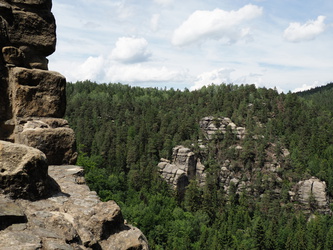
<point x="74" y="218"/>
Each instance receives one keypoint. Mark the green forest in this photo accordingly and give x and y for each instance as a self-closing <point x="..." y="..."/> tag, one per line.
<point x="123" y="131"/>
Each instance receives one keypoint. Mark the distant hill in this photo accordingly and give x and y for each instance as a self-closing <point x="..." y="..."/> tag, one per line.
<point x="321" y="96"/>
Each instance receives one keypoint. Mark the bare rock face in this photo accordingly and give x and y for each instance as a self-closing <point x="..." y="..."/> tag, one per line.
<point x="217" y="127"/>
<point x="311" y="194"/>
<point x="72" y="219"/>
<point x="28" y="90"/>
<point x="23" y="172"/>
<point x="37" y="93"/>
<point x="28" y="23"/>
<point x="184" y="167"/>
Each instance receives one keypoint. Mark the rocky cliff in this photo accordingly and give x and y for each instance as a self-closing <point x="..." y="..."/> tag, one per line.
<point x="42" y="206"/>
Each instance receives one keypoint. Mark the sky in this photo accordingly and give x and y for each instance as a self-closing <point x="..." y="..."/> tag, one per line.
<point x="282" y="44"/>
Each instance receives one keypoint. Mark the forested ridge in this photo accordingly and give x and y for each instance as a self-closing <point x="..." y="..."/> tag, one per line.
<point x="321" y="96"/>
<point x="123" y="131"/>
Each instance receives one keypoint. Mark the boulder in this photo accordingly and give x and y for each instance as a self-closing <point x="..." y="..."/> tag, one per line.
<point x="23" y="172"/>
<point x="127" y="239"/>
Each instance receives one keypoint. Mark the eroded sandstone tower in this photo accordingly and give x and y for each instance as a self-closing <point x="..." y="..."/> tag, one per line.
<point x="32" y="99"/>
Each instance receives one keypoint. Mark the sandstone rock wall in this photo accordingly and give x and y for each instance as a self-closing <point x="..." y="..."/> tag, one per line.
<point x="24" y="172"/>
<point x="311" y="194"/>
<point x="29" y="91"/>
<point x="185" y="166"/>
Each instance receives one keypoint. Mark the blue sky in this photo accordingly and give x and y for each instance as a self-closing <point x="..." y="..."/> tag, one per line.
<point x="168" y="43"/>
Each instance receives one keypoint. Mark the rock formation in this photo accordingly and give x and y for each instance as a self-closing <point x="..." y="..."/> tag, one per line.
<point x="257" y="179"/>
<point x="311" y="194"/>
<point x="42" y="206"/>
<point x="216" y="127"/>
<point x="29" y="91"/>
<point x="185" y="166"/>
<point x="73" y="219"/>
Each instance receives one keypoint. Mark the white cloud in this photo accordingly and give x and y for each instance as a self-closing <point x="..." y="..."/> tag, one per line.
<point x="131" y="50"/>
<point x="251" y="78"/>
<point x="102" y="69"/>
<point x="164" y="2"/>
<point x="91" y="69"/>
<point x="306" y="87"/>
<point x="154" y="22"/>
<point x="217" y="76"/>
<point x="297" y="32"/>
<point x="123" y="11"/>
<point x="139" y="73"/>
<point x="216" y="24"/>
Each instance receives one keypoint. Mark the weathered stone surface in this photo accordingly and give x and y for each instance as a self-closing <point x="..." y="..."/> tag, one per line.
<point x="26" y="27"/>
<point x="32" y="4"/>
<point x="5" y="113"/>
<point x="19" y="241"/>
<point x="312" y="192"/>
<point x="184" y="167"/>
<point x="34" y="60"/>
<point x="23" y="172"/>
<point x="217" y="127"/>
<point x="51" y="136"/>
<point x="10" y="213"/>
<point x="72" y="219"/>
<point x="13" y="56"/>
<point x="37" y="93"/>
<point x="127" y="239"/>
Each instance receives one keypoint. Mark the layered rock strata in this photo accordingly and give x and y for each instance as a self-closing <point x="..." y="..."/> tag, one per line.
<point x="28" y="90"/>
<point x="185" y="166"/>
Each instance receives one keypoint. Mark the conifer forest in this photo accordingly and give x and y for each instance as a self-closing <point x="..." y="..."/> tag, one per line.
<point x="123" y="132"/>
